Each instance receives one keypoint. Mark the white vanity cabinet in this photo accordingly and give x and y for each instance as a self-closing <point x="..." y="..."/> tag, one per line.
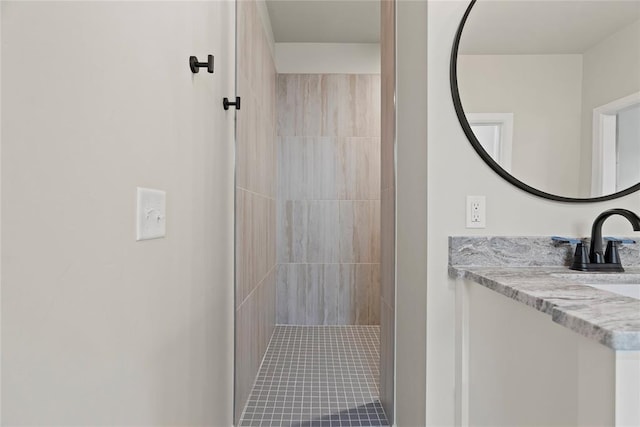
<point x="517" y="367"/>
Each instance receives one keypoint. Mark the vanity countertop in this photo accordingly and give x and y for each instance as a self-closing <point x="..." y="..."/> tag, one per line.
<point x="608" y="318"/>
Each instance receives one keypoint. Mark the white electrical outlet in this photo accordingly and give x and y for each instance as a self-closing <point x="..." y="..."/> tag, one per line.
<point x="476" y="212"/>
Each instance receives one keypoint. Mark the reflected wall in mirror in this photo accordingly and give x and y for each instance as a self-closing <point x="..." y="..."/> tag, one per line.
<point x="550" y="91"/>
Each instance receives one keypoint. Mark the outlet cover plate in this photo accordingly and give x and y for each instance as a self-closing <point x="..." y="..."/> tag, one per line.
<point x="151" y="214"/>
<point x="476" y="212"/>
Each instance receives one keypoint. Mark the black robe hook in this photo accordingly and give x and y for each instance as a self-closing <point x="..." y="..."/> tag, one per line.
<point x="195" y="65"/>
<point x="226" y="103"/>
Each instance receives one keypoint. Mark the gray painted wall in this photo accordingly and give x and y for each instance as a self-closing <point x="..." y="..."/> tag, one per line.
<point x="98" y="329"/>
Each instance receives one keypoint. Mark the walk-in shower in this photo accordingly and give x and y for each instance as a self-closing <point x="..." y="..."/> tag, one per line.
<point x="310" y="220"/>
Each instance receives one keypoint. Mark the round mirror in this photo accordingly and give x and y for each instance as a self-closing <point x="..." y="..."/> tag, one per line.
<point x="548" y="93"/>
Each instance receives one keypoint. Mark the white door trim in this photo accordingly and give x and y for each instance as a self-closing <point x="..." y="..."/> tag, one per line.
<point x="506" y="135"/>
<point x="603" y="154"/>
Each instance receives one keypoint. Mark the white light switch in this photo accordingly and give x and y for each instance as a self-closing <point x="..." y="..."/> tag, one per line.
<point x="151" y="223"/>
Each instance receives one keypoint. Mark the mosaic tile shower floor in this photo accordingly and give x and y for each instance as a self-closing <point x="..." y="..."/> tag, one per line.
<point x="324" y="376"/>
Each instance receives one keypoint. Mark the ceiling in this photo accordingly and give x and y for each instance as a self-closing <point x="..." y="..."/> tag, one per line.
<point x="493" y="27"/>
<point x="325" y="21"/>
<point x="543" y="27"/>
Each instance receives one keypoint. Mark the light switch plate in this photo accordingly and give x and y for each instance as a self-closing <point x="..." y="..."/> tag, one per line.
<point x="151" y="214"/>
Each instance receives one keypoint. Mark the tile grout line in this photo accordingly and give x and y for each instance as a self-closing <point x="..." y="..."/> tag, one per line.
<point x="261" y="195"/>
<point x="260" y="283"/>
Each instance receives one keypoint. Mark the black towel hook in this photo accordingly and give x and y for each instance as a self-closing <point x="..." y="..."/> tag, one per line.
<point x="226" y="103"/>
<point x="195" y="65"/>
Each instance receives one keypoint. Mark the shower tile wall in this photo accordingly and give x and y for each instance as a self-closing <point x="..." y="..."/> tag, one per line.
<point x="388" y="286"/>
<point x="255" y="199"/>
<point x="328" y="199"/>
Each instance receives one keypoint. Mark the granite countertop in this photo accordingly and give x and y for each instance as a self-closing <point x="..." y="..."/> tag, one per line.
<point x="611" y="319"/>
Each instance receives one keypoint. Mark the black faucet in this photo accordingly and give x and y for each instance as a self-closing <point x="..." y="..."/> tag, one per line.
<point x="609" y="261"/>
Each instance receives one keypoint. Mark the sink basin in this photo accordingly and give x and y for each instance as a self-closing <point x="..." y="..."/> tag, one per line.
<point x="601" y="278"/>
<point x="625" y="289"/>
<point x="626" y="284"/>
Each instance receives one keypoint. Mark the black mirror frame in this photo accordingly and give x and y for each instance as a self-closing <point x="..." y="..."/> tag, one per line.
<point x="453" y="76"/>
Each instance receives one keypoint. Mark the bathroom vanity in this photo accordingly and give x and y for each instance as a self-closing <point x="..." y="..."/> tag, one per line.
<point x="539" y="344"/>
<point x="536" y="344"/>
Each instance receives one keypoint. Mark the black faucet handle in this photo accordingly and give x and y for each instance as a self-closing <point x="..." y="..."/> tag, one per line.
<point x="611" y="255"/>
<point x="580" y="257"/>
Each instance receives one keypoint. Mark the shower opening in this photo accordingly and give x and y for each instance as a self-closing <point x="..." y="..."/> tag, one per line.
<point x="314" y="310"/>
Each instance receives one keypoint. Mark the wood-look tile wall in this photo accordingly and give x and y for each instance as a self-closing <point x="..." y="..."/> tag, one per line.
<point x="328" y="211"/>
<point x="387" y="218"/>
<point x="255" y="199"/>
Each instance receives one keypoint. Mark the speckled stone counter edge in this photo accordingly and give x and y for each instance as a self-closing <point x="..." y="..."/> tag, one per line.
<point x="518" y="251"/>
<point x="532" y="270"/>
